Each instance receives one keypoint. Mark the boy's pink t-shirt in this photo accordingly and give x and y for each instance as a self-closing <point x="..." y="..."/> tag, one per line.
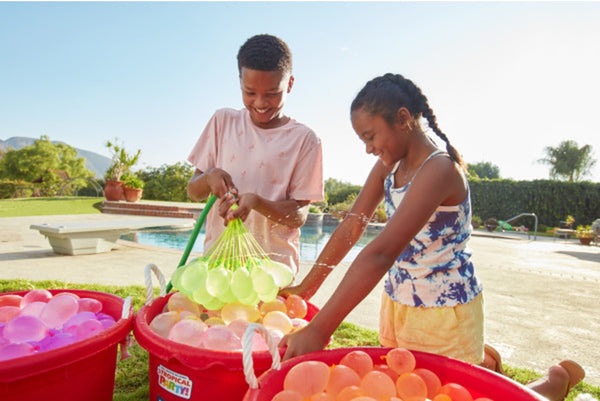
<point x="277" y="164"/>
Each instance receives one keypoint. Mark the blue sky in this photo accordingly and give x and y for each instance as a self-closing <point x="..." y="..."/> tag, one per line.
<point x="504" y="79"/>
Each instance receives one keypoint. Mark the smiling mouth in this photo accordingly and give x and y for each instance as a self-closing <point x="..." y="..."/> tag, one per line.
<point x="261" y="111"/>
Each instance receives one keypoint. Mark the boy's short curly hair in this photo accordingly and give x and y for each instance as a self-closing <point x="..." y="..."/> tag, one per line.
<point x="265" y="53"/>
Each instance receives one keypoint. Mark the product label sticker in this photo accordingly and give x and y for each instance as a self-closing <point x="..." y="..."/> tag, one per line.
<point x="174" y="382"/>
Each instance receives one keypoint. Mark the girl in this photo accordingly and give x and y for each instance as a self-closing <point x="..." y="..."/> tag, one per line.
<point x="433" y="300"/>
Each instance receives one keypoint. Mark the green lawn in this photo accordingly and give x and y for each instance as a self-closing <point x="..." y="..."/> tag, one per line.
<point x="49" y="206"/>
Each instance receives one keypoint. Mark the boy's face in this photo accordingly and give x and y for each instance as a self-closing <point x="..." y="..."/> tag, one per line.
<point x="264" y="94"/>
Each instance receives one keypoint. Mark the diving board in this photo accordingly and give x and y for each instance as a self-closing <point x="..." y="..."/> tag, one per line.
<point x="87" y="237"/>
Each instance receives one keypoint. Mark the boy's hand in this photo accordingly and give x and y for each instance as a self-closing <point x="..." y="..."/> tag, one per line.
<point x="220" y="182"/>
<point x="245" y="202"/>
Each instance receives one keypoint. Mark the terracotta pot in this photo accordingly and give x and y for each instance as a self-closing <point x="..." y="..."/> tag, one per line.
<point x="585" y="241"/>
<point x="113" y="190"/>
<point x="132" y="194"/>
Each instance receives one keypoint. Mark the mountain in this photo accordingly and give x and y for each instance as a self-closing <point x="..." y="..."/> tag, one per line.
<point x="94" y="162"/>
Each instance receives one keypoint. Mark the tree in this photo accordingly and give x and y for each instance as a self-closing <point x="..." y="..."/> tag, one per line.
<point x="484" y="170"/>
<point x="568" y="161"/>
<point x="168" y="182"/>
<point x="45" y="162"/>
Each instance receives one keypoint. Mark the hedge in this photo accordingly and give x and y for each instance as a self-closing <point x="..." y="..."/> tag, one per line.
<point x="551" y="201"/>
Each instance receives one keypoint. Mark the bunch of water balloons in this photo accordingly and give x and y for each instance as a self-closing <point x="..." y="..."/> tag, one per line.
<point x="186" y="322"/>
<point x="233" y="269"/>
<point x="358" y="378"/>
<point x="39" y="321"/>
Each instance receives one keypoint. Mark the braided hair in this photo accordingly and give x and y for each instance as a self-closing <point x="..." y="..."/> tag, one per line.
<point x="386" y="94"/>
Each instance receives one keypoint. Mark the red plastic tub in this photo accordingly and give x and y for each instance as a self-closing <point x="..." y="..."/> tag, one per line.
<point x="180" y="372"/>
<point x="83" y="371"/>
<point x="479" y="381"/>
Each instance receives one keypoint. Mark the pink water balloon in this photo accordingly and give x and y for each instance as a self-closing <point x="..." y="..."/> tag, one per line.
<point x="25" y="328"/>
<point x="8" y="313"/>
<point x="89" y="305"/>
<point x="33" y="309"/>
<point x="221" y="338"/>
<point x="57" y="340"/>
<point x="36" y="296"/>
<point x="11" y="351"/>
<point x="189" y="332"/>
<point x="88" y="329"/>
<point x="58" y="311"/>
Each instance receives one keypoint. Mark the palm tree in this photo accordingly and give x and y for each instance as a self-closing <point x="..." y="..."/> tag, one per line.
<point x="569" y="161"/>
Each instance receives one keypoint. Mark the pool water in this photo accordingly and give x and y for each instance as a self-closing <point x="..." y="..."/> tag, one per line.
<point x="312" y="240"/>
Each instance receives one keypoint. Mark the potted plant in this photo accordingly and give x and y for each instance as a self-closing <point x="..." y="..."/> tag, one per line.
<point x="585" y="234"/>
<point x="121" y="163"/>
<point x="133" y="186"/>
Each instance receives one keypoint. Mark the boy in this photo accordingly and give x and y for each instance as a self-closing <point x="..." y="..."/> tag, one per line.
<point x="266" y="162"/>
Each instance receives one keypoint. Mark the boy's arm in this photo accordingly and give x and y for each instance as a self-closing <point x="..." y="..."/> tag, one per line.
<point x="215" y="181"/>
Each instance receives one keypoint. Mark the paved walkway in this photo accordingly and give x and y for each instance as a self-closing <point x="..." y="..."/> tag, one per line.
<point x="541" y="297"/>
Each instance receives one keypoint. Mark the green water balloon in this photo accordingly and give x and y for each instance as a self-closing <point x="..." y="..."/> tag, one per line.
<point x="217" y="281"/>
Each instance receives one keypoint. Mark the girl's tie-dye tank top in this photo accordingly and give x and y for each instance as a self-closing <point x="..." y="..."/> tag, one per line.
<point x="435" y="268"/>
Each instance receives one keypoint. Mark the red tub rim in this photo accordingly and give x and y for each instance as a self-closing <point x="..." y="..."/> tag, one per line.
<point x="19" y="368"/>
<point x="198" y="358"/>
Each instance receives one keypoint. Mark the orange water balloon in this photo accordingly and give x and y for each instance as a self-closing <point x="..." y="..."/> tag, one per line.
<point x="378" y="385"/>
<point x="10" y="300"/>
<point x="322" y="397"/>
<point x="432" y="381"/>
<point x="307" y="378"/>
<point x="401" y="360"/>
<point x="387" y="370"/>
<point x="348" y="393"/>
<point x="456" y="392"/>
<point x="358" y="360"/>
<point x="341" y="376"/>
<point x="276" y="304"/>
<point x="296" y="306"/>
<point x="442" y="397"/>
<point x="411" y="385"/>
<point x="287" y="395"/>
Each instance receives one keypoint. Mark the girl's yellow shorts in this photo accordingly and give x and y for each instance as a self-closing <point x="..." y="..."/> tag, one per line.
<point x="456" y="332"/>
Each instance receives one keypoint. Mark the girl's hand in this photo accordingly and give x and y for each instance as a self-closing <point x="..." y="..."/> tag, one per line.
<point x="302" y="341"/>
<point x="296" y="290"/>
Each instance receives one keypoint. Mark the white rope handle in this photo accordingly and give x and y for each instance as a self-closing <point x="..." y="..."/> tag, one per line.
<point x="247" y="352"/>
<point x="151" y="267"/>
<point x="126" y="308"/>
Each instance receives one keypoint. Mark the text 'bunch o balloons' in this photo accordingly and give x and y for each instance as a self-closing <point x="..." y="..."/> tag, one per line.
<point x="39" y="321"/>
<point x="358" y="378"/>
<point x="187" y="322"/>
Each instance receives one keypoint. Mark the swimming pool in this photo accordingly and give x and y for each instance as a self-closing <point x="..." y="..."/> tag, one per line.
<point x="312" y="240"/>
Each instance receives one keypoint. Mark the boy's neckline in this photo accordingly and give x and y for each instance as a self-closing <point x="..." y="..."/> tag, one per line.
<point x="286" y="120"/>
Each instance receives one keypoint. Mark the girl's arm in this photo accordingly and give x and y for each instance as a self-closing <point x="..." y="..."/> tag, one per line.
<point x="439" y="182"/>
<point x="346" y="234"/>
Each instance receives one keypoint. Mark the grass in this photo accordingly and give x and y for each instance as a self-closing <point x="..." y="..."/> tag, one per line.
<point x="131" y="376"/>
<point x="49" y="206"/>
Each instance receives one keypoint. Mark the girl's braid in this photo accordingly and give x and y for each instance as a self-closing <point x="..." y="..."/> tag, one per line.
<point x="419" y="106"/>
<point x="386" y="94"/>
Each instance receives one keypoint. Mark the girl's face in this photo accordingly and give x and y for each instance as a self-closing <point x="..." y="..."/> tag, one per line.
<point x="380" y="138"/>
<point x="264" y="94"/>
